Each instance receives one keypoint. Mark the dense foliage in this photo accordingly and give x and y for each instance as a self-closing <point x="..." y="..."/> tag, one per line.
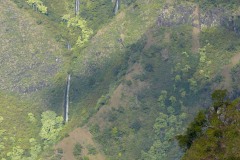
<point x="137" y="79"/>
<point x="193" y="131"/>
<point x="215" y="137"/>
<point x="38" y="5"/>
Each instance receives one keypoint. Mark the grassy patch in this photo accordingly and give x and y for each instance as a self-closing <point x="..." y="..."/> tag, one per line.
<point x="16" y="127"/>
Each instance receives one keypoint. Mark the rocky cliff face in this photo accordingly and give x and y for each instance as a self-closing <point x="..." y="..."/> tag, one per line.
<point x="178" y="14"/>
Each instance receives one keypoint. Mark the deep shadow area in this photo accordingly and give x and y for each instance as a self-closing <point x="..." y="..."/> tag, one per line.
<point x="86" y="89"/>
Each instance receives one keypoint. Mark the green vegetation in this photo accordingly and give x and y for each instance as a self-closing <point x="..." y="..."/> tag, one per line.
<point x="193" y="131"/>
<point x="77" y="151"/>
<point x="91" y="150"/>
<point x="80" y="23"/>
<point x="230" y="4"/>
<point x="176" y="85"/>
<point x="216" y="136"/>
<point x="15" y="141"/>
<point x="51" y="126"/>
<point x="38" y="5"/>
<point x="12" y="137"/>
<point x="135" y="83"/>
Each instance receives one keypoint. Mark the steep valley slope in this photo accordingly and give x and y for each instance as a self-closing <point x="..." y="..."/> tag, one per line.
<point x="136" y="83"/>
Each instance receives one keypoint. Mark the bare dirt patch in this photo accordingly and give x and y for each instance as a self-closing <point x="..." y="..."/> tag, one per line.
<point x="226" y="73"/>
<point x="122" y="90"/>
<point x="167" y="37"/>
<point x="82" y="136"/>
<point x="196" y="30"/>
<point x="128" y="90"/>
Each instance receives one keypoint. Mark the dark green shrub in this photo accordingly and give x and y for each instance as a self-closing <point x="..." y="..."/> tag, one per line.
<point x="219" y="98"/>
<point x="136" y="125"/>
<point x="85" y="158"/>
<point x="112" y="117"/>
<point x="94" y="129"/>
<point x="92" y="81"/>
<point x="149" y="67"/>
<point x="141" y="77"/>
<point x="231" y="47"/>
<point x="116" y="70"/>
<point x="120" y="109"/>
<point x="193" y="131"/>
<point x="218" y="133"/>
<point x="102" y="101"/>
<point x="232" y="158"/>
<point x="58" y="38"/>
<point x="91" y="150"/>
<point x="218" y="79"/>
<point x="39" y="21"/>
<point x="129" y="82"/>
<point x="77" y="151"/>
<point x="60" y="151"/>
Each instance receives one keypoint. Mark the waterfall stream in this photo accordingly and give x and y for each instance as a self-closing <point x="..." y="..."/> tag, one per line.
<point x="77" y="7"/>
<point x="116" y="7"/>
<point x="68" y="46"/>
<point x="66" y="95"/>
<point x="66" y="98"/>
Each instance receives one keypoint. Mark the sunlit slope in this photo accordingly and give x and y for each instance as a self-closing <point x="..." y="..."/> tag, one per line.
<point x="124" y="30"/>
<point x="28" y="56"/>
<point x="15" y="126"/>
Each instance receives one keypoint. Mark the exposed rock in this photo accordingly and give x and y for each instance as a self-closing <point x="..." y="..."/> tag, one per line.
<point x="211" y="17"/>
<point x="222" y="118"/>
<point x="183" y="14"/>
<point x="175" y="15"/>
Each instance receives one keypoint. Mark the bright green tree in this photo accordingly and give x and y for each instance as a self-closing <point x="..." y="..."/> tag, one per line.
<point x="16" y="153"/>
<point x="39" y="5"/>
<point x="173" y="100"/>
<point x="80" y="23"/>
<point x="162" y="98"/>
<point x="31" y="117"/>
<point x="51" y="126"/>
<point x="35" y="149"/>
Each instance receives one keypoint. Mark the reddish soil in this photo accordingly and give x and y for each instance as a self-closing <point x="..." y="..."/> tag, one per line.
<point x="167" y="37"/>
<point x="226" y="73"/>
<point x="82" y="136"/>
<point x="196" y="31"/>
<point x="121" y="91"/>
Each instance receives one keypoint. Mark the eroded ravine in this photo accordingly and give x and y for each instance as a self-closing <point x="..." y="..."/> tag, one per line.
<point x="226" y="72"/>
<point x="196" y="30"/>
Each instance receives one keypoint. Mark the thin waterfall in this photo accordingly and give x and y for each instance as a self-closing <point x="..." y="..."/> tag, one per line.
<point x="116" y="6"/>
<point x="66" y="98"/>
<point x="68" y="46"/>
<point x="66" y="95"/>
<point x="77" y="7"/>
